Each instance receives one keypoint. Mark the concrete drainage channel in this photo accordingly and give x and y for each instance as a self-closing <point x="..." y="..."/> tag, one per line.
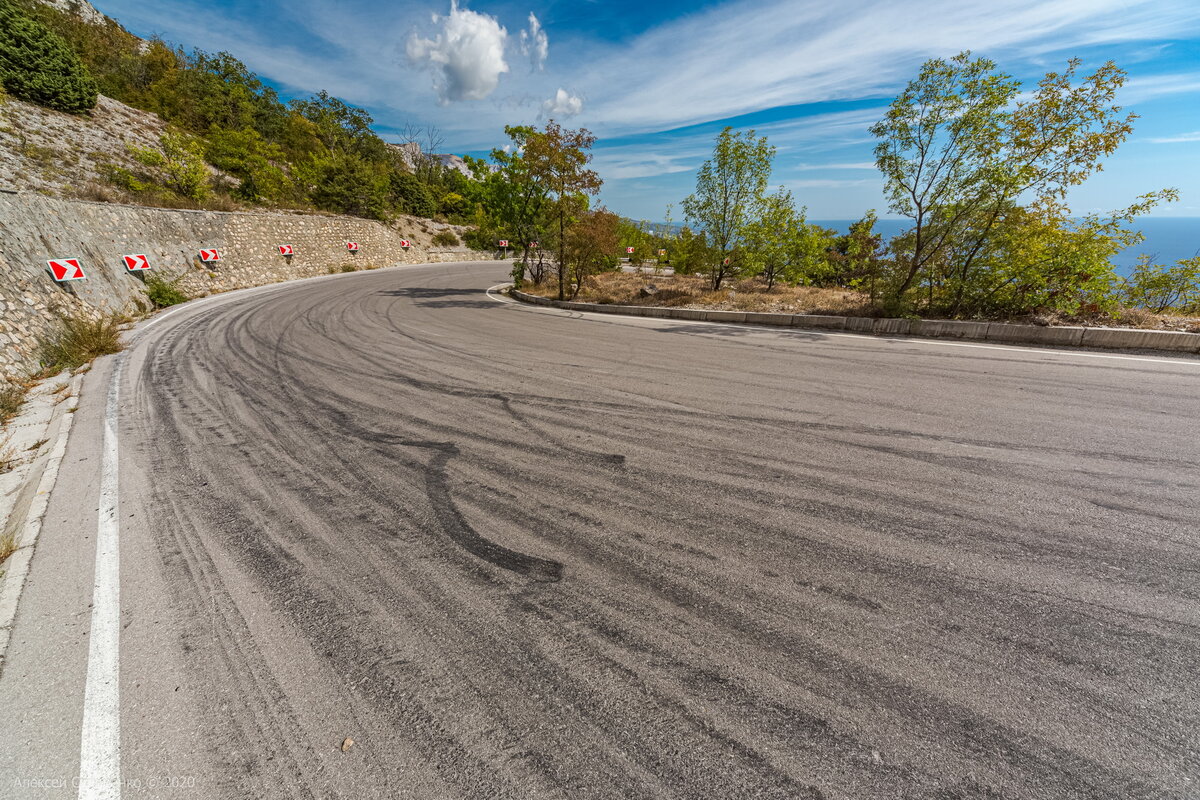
<point x="38" y="440"/>
<point x="994" y="332"/>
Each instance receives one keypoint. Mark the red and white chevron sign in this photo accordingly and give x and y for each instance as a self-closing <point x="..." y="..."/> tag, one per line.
<point x="352" y="246"/>
<point x="210" y="255"/>
<point x="285" y="250"/>
<point x="66" y="269"/>
<point x="136" y="263"/>
<point x="628" y="249"/>
<point x="533" y="244"/>
<point x="405" y="243"/>
<point x="504" y="242"/>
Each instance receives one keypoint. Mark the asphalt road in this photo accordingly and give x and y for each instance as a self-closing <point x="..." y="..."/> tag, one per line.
<point x="524" y="553"/>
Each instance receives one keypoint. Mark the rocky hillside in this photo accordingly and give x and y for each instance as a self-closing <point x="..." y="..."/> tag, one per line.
<point x="70" y="155"/>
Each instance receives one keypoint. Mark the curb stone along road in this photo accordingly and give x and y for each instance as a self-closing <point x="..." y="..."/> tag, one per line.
<point x="997" y="332"/>
<point x="46" y="419"/>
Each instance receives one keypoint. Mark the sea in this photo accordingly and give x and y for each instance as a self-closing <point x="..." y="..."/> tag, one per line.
<point x="1168" y="239"/>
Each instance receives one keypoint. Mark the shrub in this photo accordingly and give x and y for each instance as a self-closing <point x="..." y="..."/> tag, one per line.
<point x="38" y="66"/>
<point x="1157" y="288"/>
<point x="349" y="184"/>
<point x="163" y="292"/>
<point x="182" y="163"/>
<point x="445" y="238"/>
<point x="411" y="195"/>
<point x="77" y="340"/>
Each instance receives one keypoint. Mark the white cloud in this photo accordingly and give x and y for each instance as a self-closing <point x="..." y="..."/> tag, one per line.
<point x="563" y="104"/>
<point x="836" y="166"/>
<point x="1194" y="136"/>
<point x="829" y="183"/>
<point x="467" y="55"/>
<point x="535" y="43"/>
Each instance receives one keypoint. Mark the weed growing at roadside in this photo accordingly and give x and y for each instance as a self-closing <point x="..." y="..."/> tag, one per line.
<point x="78" y="340"/>
<point x="8" y="546"/>
<point x="163" y="292"/>
<point x="349" y="268"/>
<point x="12" y="397"/>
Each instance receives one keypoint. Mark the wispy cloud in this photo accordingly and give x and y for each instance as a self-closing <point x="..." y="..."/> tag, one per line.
<point x="1139" y="90"/>
<point x="1194" y="136"/>
<point x="535" y="43"/>
<point x="836" y="166"/>
<point x="830" y="183"/>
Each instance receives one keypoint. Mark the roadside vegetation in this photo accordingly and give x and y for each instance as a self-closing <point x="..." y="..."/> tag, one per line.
<point x="980" y="165"/>
<point x="12" y="397"/>
<point x="164" y="292"/>
<point x="77" y="340"/>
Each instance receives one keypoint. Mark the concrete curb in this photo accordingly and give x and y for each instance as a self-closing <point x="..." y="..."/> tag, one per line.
<point x="31" y="495"/>
<point x="996" y="332"/>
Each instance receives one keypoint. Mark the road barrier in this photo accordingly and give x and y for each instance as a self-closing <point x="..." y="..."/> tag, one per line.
<point x="995" y="332"/>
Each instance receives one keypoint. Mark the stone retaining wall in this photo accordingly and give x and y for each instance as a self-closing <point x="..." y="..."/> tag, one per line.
<point x="997" y="332"/>
<point x="35" y="228"/>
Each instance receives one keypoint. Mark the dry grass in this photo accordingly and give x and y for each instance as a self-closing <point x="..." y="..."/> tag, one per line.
<point x="12" y="397"/>
<point x="8" y="546"/>
<point x="692" y="291"/>
<point x="78" y="340"/>
<point x="8" y="457"/>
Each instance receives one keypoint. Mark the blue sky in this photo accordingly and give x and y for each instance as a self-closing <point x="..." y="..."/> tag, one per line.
<point x="656" y="81"/>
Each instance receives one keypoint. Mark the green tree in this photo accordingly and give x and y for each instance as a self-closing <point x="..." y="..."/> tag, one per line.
<point x="514" y="198"/>
<point x="349" y="184"/>
<point x="859" y="257"/>
<point x="38" y="66"/>
<point x="769" y="239"/>
<point x="410" y="195"/>
<point x="248" y="157"/>
<point x="690" y="252"/>
<point x="728" y="187"/>
<point x="181" y="162"/>
<point x="959" y="146"/>
<point x="557" y="159"/>
<point x="591" y="245"/>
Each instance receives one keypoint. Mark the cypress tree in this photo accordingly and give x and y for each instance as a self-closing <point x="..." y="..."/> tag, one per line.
<point x="38" y="66"/>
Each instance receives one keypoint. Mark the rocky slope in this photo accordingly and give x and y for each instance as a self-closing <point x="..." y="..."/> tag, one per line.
<point x="66" y="155"/>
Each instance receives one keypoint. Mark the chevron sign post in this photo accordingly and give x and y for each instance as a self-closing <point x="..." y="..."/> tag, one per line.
<point x="66" y="269"/>
<point x="286" y="250"/>
<point x="504" y="242"/>
<point x="210" y="255"/>
<point x="136" y="263"/>
<point x="352" y="247"/>
<point x="405" y="243"/>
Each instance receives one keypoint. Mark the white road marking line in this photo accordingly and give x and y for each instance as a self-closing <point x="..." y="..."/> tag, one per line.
<point x="100" y="740"/>
<point x="907" y="340"/>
